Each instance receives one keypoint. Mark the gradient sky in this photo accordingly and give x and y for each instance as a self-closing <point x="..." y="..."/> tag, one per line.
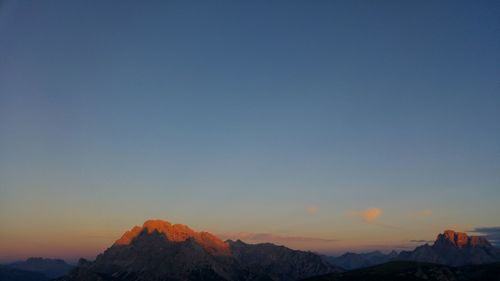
<point x="322" y="125"/>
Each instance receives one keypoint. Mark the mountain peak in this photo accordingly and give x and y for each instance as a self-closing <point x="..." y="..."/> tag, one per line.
<point x="156" y="224"/>
<point x="176" y="233"/>
<point x="160" y="250"/>
<point x="461" y="239"/>
<point x="455" y="249"/>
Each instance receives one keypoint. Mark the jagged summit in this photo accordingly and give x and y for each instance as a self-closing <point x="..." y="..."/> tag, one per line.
<point x="456" y="249"/>
<point x="450" y="248"/>
<point x="461" y="240"/>
<point x="176" y="233"/>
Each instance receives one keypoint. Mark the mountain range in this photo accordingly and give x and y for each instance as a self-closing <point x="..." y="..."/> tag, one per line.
<point x="159" y="250"/>
<point x="450" y="248"/>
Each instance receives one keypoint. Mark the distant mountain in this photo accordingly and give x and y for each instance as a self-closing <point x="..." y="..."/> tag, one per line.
<point x="450" y="248"/>
<point x="50" y="267"/>
<point x="161" y="251"/>
<point x="351" y="261"/>
<point x="8" y="273"/>
<point x="455" y="249"/>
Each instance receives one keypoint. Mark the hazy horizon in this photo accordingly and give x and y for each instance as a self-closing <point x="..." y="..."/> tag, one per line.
<point x="327" y="126"/>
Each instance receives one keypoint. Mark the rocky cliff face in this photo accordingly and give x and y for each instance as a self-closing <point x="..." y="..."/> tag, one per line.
<point x="460" y="240"/>
<point x="161" y="251"/>
<point x="177" y="233"/>
<point x="454" y="248"/>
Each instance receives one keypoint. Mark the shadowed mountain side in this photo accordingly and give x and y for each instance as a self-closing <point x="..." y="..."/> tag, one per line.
<point x="153" y="256"/>
<point x="415" y="271"/>
<point x="279" y="262"/>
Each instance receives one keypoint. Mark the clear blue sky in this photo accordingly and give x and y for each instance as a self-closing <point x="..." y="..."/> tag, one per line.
<point x="281" y="117"/>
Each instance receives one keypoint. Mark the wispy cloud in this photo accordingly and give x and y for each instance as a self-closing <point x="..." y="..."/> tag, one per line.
<point x="273" y="238"/>
<point x="368" y="215"/>
<point x="492" y="233"/>
<point x="421" y="241"/>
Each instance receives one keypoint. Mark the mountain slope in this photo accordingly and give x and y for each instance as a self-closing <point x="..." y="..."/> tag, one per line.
<point x="279" y="262"/>
<point x="161" y="251"/>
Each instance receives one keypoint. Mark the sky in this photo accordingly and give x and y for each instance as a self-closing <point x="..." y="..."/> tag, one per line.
<point x="321" y="125"/>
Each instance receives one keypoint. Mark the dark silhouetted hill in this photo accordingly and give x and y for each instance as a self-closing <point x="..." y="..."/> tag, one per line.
<point x="416" y="271"/>
<point x="8" y="273"/>
<point x="50" y="267"/>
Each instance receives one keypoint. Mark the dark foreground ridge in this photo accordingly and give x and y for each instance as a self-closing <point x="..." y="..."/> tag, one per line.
<point x="8" y="273"/>
<point x="416" y="271"/>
